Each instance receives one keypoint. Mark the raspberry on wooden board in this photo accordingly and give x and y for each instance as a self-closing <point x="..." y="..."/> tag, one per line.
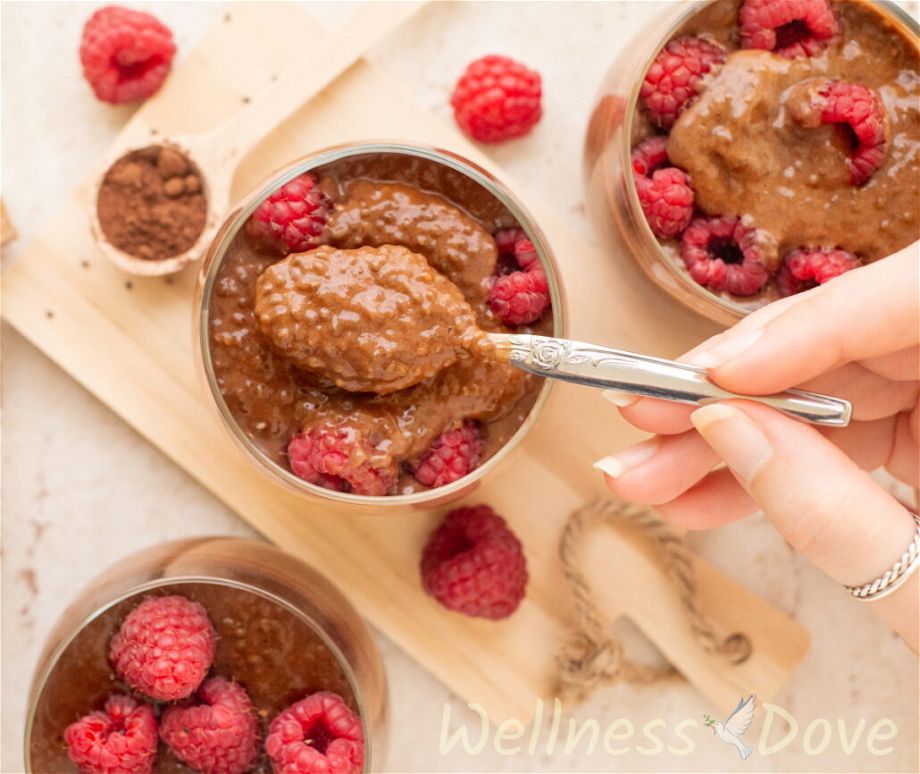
<point x="474" y="564"/>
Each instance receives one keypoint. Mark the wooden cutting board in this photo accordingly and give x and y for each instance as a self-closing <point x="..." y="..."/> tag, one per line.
<point x="128" y="340"/>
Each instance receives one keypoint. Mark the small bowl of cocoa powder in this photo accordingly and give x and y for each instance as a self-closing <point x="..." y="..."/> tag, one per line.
<point x="151" y="209"/>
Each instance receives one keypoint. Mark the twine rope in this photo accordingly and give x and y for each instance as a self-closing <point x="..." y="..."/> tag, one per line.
<point x="595" y="655"/>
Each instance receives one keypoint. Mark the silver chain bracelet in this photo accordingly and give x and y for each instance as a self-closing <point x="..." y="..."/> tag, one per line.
<point x="900" y="571"/>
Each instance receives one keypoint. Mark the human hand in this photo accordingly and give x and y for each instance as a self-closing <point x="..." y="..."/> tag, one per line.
<point x="856" y="337"/>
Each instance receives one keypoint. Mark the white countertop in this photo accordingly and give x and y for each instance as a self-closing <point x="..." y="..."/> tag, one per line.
<point x="82" y="489"/>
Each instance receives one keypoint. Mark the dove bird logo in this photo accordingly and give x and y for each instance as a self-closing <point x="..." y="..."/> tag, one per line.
<point x="735" y="725"/>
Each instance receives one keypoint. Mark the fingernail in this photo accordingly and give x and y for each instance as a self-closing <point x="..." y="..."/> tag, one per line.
<point x="621" y="399"/>
<point x="727" y="348"/>
<point x="620" y="463"/>
<point x="735" y="438"/>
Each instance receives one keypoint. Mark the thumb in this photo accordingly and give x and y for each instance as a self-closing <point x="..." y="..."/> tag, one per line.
<point x="823" y="504"/>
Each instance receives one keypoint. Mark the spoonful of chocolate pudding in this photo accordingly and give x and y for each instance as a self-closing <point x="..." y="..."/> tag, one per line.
<point x="380" y="319"/>
<point x="371" y="319"/>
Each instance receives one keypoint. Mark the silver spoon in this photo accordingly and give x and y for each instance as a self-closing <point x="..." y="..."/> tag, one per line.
<point x="652" y="377"/>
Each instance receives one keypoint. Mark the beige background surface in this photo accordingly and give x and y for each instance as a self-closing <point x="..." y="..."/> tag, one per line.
<point x="81" y="489"/>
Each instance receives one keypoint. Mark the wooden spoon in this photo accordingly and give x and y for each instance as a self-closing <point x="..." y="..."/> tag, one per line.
<point x="217" y="153"/>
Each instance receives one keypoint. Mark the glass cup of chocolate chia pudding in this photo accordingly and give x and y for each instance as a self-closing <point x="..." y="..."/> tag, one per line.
<point x="282" y="633"/>
<point x="288" y="306"/>
<point x="738" y="163"/>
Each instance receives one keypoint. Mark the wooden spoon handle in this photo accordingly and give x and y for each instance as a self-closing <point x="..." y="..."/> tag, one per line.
<point x="325" y="58"/>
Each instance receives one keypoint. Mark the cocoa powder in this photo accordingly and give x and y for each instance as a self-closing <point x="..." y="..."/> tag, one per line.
<point x="151" y="203"/>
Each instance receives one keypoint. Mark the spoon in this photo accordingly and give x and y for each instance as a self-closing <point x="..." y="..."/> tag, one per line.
<point x="380" y="319"/>
<point x="217" y="153"/>
<point x="651" y="377"/>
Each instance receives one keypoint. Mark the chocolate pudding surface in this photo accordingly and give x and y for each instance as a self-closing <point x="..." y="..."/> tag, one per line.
<point x="748" y="156"/>
<point x="275" y="655"/>
<point x="432" y="211"/>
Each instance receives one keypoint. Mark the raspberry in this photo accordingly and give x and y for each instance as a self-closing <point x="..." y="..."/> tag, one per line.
<point x="316" y="735"/>
<point x="454" y="453"/>
<point x="164" y="648"/>
<point x="507" y="238"/>
<point x="497" y="99"/>
<point x="474" y="564"/>
<point x="126" y="55"/>
<point x="650" y="154"/>
<point x="723" y="254"/>
<point x="515" y="250"/>
<point x="120" y="740"/>
<point x="218" y="736"/>
<point x="667" y="201"/>
<point x="338" y="459"/>
<point x="292" y="219"/>
<point x="807" y="267"/>
<point x="675" y="77"/>
<point x="820" y="101"/>
<point x="520" y="297"/>
<point x="791" y="28"/>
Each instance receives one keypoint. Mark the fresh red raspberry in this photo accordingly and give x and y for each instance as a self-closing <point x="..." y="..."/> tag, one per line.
<point x="723" y="254"/>
<point x="520" y="292"/>
<point x="120" y="740"/>
<point x="497" y="99"/>
<point x="454" y="453"/>
<point x="339" y="459"/>
<point x="675" y="77"/>
<point x="507" y="238"/>
<point x="515" y="251"/>
<point x="791" y="28"/>
<point x="316" y="735"/>
<point x="292" y="219"/>
<point x="526" y="255"/>
<point x="218" y="736"/>
<point x="820" y="101"/>
<point x="520" y="297"/>
<point x="807" y="267"/>
<point x="164" y="648"/>
<point x="650" y="154"/>
<point x="474" y="564"/>
<point x="126" y="55"/>
<point x="667" y="201"/>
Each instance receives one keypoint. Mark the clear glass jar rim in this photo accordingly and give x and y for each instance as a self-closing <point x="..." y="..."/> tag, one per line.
<point x="219" y="248"/>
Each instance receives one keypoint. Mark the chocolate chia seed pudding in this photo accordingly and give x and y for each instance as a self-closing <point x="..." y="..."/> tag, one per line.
<point x="262" y="646"/>
<point x="279" y="634"/>
<point x="353" y="368"/>
<point x="774" y="146"/>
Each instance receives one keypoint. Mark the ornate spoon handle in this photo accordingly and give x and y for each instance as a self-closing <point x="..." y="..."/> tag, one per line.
<point x="595" y="366"/>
